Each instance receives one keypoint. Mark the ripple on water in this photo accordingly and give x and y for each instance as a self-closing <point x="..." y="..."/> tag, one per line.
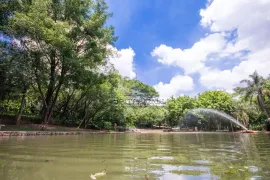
<point x="184" y="172"/>
<point x="163" y="149"/>
<point x="132" y="156"/>
<point x="161" y="158"/>
<point x="202" y="162"/>
<point x="170" y="176"/>
<point x="253" y="169"/>
<point x="168" y="168"/>
<point x="134" y="169"/>
<point x="219" y="150"/>
<point x="255" y="177"/>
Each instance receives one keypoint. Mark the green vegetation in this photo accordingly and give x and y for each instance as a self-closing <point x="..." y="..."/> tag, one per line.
<point x="50" y="63"/>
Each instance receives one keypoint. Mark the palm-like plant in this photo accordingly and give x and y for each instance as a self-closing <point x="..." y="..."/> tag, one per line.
<point x="242" y="111"/>
<point x="255" y="88"/>
<point x="266" y="90"/>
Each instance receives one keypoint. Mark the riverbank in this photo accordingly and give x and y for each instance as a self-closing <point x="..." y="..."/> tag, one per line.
<point x="74" y="132"/>
<point x="39" y="130"/>
<point x="142" y="131"/>
<point x="47" y="133"/>
<point x="36" y="130"/>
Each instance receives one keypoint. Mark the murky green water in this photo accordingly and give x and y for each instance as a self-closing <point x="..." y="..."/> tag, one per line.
<point x="134" y="156"/>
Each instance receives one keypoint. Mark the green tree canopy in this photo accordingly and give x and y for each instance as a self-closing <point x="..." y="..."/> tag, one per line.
<point x="219" y="100"/>
<point x="177" y="107"/>
<point x="254" y="88"/>
<point x="62" y="40"/>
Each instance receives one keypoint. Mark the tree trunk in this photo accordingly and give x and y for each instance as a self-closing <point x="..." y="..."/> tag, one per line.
<point x="45" y="115"/>
<point x="54" y="101"/>
<point x="94" y="114"/>
<point x="23" y="102"/>
<point x="82" y="122"/>
<point x="85" y="114"/>
<point x="49" y="94"/>
<point x="53" y="90"/>
<point x="66" y="105"/>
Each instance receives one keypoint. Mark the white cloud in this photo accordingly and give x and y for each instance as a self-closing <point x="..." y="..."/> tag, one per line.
<point x="122" y="60"/>
<point x="175" y="87"/>
<point x="228" y="79"/>
<point x="191" y="60"/>
<point x="251" y="19"/>
<point x="235" y="28"/>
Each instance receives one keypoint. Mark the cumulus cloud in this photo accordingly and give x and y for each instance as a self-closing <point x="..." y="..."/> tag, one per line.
<point x="238" y="30"/>
<point x="228" y="79"/>
<point x="122" y="60"/>
<point x="175" y="87"/>
<point x="251" y="20"/>
<point x="190" y="60"/>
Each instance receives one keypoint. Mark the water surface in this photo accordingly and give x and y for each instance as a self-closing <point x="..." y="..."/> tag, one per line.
<point x="136" y="156"/>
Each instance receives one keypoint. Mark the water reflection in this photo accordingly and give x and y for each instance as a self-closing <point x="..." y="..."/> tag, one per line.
<point x="136" y="156"/>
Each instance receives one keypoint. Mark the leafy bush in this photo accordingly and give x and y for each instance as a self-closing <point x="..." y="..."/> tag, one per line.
<point x="257" y="127"/>
<point x="107" y="125"/>
<point x="65" y="122"/>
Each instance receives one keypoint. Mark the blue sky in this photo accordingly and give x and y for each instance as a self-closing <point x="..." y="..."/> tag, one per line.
<point x="168" y="37"/>
<point x="143" y="25"/>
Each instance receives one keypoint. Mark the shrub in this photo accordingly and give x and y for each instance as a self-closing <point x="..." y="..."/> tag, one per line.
<point x="257" y="127"/>
<point x="107" y="125"/>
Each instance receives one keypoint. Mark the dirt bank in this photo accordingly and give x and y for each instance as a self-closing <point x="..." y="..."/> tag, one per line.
<point x="46" y="133"/>
<point x="36" y="130"/>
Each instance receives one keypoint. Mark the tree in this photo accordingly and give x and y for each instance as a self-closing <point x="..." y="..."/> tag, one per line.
<point x="92" y="103"/>
<point x="266" y="89"/>
<point x="241" y="113"/>
<point x="219" y="100"/>
<point x="62" y="40"/>
<point x="14" y="70"/>
<point x="148" y="116"/>
<point x="177" y="108"/>
<point x="139" y="93"/>
<point x="254" y="88"/>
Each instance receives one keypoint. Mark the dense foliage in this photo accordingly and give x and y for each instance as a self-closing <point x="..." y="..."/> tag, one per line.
<point x="50" y="59"/>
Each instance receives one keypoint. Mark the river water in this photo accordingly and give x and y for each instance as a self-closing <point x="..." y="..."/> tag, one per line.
<point x="168" y="156"/>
